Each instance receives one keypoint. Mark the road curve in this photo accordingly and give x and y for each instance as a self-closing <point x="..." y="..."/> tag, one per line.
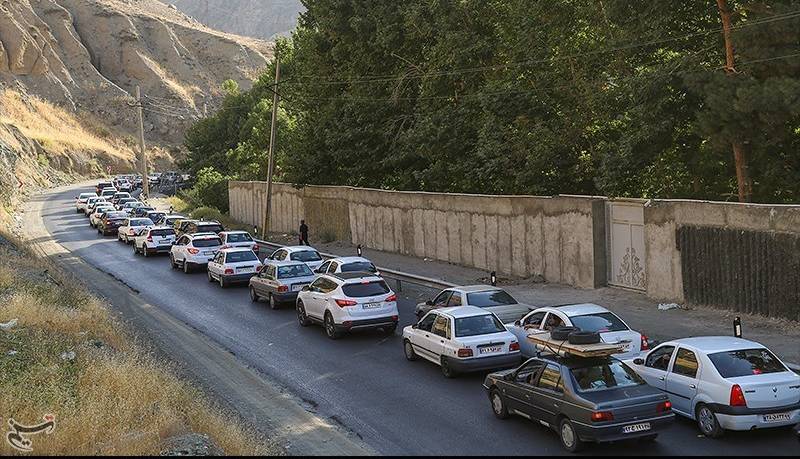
<point x="362" y="381"/>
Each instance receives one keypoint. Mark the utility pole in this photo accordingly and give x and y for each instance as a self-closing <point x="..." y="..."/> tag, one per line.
<point x="272" y="135"/>
<point x="142" y="154"/>
<point x="743" y="180"/>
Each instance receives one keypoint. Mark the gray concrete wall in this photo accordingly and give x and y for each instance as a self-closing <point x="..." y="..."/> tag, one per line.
<point x="561" y="238"/>
<point x="663" y="218"/>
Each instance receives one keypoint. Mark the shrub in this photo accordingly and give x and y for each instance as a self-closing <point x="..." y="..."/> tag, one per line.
<point x="211" y="189"/>
<point x="207" y="213"/>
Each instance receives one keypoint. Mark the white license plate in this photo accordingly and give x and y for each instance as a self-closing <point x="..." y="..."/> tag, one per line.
<point x="372" y="305"/>
<point x="244" y="270"/>
<point x="490" y="349"/>
<point x="636" y="428"/>
<point x="777" y="417"/>
<point x="208" y="254"/>
<point x="298" y="287"/>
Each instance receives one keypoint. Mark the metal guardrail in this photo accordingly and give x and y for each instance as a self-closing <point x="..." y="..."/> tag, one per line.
<point x="398" y="276"/>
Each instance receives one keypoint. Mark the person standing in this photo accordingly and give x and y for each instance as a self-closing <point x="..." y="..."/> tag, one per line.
<point x="303" y="233"/>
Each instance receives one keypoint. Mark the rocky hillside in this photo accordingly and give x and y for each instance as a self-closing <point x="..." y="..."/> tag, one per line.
<point x="255" y="18"/>
<point x="88" y="56"/>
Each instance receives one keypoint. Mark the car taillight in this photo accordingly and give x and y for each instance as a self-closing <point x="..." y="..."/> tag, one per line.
<point x="255" y="248"/>
<point x="346" y="303"/>
<point x="228" y="271"/>
<point x="391" y="298"/>
<point x="466" y="352"/>
<point x="664" y="407"/>
<point x="602" y="416"/>
<point x="149" y="238"/>
<point x="131" y="232"/>
<point x="513" y="347"/>
<point x="285" y="288"/>
<point x="259" y="268"/>
<point x="737" y="396"/>
<point x="193" y="251"/>
<point x="645" y="344"/>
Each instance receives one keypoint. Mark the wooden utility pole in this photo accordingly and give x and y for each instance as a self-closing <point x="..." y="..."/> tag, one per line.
<point x="739" y="155"/>
<point x="272" y="135"/>
<point x="142" y="154"/>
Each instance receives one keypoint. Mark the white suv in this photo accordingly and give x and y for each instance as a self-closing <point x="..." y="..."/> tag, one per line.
<point x="233" y="265"/>
<point x="347" y="302"/>
<point x="193" y="250"/>
<point x="153" y="241"/>
<point x="462" y="339"/>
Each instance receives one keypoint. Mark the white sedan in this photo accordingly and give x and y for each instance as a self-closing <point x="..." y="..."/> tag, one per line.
<point x="233" y="265"/>
<point x="80" y="201"/>
<point x="461" y="340"/>
<point x="304" y="253"/>
<point x="131" y="228"/>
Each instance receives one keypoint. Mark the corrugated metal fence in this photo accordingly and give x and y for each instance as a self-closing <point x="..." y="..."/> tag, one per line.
<point x="747" y="271"/>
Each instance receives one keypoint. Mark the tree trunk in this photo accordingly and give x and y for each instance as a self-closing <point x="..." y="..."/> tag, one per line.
<point x="739" y="154"/>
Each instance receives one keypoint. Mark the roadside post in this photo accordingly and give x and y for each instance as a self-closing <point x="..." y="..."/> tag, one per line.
<point x="358" y="250"/>
<point x="493" y="277"/>
<point x="737" y="327"/>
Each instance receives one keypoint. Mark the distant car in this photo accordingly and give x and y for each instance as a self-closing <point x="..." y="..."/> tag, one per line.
<point x="238" y="239"/>
<point x="125" y="186"/>
<point x="153" y="241"/>
<point x="118" y="196"/>
<point x="108" y="193"/>
<point x="169" y="220"/>
<point x="723" y="383"/>
<point x="81" y="200"/>
<point x="98" y="213"/>
<point x="348" y="302"/>
<point x="182" y="225"/>
<point x="156" y="216"/>
<point x="201" y="226"/>
<point x="131" y="227"/>
<point x="347" y="265"/>
<point x="582" y="399"/>
<point x="230" y="266"/>
<point x="461" y="340"/>
<point x="143" y="211"/>
<point x="194" y="250"/>
<point x="587" y="317"/>
<point x="110" y="222"/>
<point x="91" y="203"/>
<point x="130" y="207"/>
<point x="304" y="253"/>
<point x="492" y="299"/>
<point x="154" y="178"/>
<point x="280" y="282"/>
<point x="102" y="186"/>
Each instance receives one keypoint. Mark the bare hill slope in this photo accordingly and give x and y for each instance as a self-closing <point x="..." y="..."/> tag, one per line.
<point x="254" y="18"/>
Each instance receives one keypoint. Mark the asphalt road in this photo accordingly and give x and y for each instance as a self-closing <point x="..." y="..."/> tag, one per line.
<point x="362" y="381"/>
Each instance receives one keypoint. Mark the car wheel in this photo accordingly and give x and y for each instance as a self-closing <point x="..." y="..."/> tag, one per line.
<point x="569" y="437"/>
<point x="272" y="303"/>
<point x="707" y="422"/>
<point x="222" y="283"/>
<point x="447" y="371"/>
<point x="408" y="348"/>
<point x="144" y="251"/>
<point x="135" y="250"/>
<point x="186" y="268"/>
<point x="210" y="277"/>
<point x="302" y="318"/>
<point x="172" y="262"/>
<point x="498" y="404"/>
<point x="330" y="327"/>
<point x="253" y="295"/>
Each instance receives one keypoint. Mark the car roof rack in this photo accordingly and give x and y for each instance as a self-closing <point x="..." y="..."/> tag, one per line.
<point x="545" y="343"/>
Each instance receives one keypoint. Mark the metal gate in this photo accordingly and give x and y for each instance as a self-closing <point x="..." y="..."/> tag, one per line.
<point x="626" y="243"/>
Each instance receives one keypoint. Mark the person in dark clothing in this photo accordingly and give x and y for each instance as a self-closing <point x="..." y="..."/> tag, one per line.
<point x="303" y="233"/>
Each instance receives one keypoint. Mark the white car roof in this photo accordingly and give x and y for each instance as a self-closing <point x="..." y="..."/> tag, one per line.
<point x="236" y="249"/>
<point x="299" y="248"/>
<point x="203" y="235"/>
<point x="343" y="260"/>
<point x="235" y="232"/>
<point x="572" y="310"/>
<point x="474" y="288"/>
<point x="713" y="344"/>
<point x="463" y="311"/>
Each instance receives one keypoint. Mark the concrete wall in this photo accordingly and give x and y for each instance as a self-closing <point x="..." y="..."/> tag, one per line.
<point x="663" y="218"/>
<point x="561" y="238"/>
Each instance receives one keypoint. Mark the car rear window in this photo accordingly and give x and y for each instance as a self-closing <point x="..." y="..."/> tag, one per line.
<point x="209" y="228"/>
<point x="207" y="242"/>
<point x="162" y="232"/>
<point x="305" y="256"/>
<point x="605" y="375"/>
<point x="116" y="215"/>
<point x="490" y="298"/>
<point x="365" y="289"/>
<point x="290" y="272"/>
<point x="747" y="362"/>
<point x="142" y="222"/>
<point x="239" y="237"/>
<point x="238" y="257"/>
<point x="600" y="323"/>
<point x="362" y="266"/>
<point x="478" y="325"/>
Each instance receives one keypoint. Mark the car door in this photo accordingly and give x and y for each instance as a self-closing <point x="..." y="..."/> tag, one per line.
<point x="265" y="282"/>
<point x="548" y="394"/>
<point x="217" y="264"/>
<point x="439" y="341"/>
<point x="518" y="393"/>
<point x="533" y="321"/>
<point x="423" y="335"/>
<point x="454" y="300"/>
<point x="553" y="321"/>
<point x="656" y="365"/>
<point x="319" y="291"/>
<point x="682" y="380"/>
<point x="323" y="268"/>
<point x="333" y="267"/>
<point x="180" y="248"/>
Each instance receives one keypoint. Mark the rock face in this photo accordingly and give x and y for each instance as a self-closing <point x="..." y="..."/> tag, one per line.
<point x="255" y="18"/>
<point x="88" y="55"/>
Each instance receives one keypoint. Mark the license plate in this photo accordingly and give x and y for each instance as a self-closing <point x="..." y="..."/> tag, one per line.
<point x="490" y="349"/>
<point x="244" y="270"/>
<point x="372" y="305"/>
<point x="777" y="417"/>
<point x="208" y="254"/>
<point x="298" y="287"/>
<point x="636" y="428"/>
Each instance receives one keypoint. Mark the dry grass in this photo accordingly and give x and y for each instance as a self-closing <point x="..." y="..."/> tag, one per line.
<point x="55" y="129"/>
<point x="113" y="398"/>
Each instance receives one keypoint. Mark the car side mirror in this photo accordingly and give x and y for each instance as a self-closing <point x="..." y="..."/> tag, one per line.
<point x="429" y="302"/>
<point x="307" y="288"/>
<point x="415" y="326"/>
<point x="638" y="361"/>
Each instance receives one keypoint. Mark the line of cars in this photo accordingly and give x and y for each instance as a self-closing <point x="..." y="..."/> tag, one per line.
<point x="722" y="383"/>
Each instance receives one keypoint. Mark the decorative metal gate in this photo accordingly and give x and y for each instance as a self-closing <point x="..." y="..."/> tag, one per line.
<point x="626" y="243"/>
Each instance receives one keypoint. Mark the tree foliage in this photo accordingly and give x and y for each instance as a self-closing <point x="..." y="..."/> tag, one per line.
<point x="615" y="97"/>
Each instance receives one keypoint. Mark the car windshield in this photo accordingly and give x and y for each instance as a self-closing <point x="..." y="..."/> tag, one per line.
<point x="154" y="216"/>
<point x="366" y="289"/>
<point x="605" y="375"/>
<point x="305" y="256"/>
<point x="357" y="266"/>
<point x="238" y="257"/>
<point x="600" y="323"/>
<point x="478" y="325"/>
<point x="141" y="222"/>
<point x="746" y="362"/>
<point x="298" y="270"/>
<point x="162" y="232"/>
<point x="239" y="237"/>
<point x="490" y="298"/>
<point x="207" y="242"/>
